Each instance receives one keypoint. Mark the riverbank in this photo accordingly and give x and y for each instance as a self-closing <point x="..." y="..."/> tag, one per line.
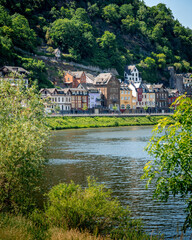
<point x="22" y="228"/>
<point x="59" y="123"/>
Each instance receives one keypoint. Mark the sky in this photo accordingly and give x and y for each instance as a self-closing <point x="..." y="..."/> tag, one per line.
<point x="182" y="9"/>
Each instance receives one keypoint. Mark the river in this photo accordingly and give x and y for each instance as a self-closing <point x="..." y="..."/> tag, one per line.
<point x="116" y="157"/>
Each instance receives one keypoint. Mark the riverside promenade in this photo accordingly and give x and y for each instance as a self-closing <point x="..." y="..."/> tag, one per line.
<point x="111" y="115"/>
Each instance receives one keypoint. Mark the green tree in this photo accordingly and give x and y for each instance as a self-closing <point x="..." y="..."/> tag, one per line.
<point x="81" y="15"/>
<point x="23" y="35"/>
<point x="23" y="139"/>
<point x="126" y="9"/>
<point x="157" y="33"/>
<point x="171" y="145"/>
<point x="108" y="41"/>
<point x="72" y="34"/>
<point x="110" y="13"/>
<point x="93" y="10"/>
<point x="129" y="24"/>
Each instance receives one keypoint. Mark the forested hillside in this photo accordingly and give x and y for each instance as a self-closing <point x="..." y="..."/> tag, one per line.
<point x="108" y="34"/>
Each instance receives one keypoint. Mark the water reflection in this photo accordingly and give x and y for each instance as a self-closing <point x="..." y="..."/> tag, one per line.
<point x="115" y="156"/>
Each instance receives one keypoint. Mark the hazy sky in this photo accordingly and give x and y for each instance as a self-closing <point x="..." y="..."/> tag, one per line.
<point x="182" y="9"/>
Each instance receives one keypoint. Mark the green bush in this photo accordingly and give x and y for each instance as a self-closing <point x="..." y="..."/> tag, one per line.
<point x="92" y="208"/>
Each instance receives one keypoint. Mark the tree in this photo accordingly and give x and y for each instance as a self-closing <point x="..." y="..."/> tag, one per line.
<point x="108" y="41"/>
<point x="145" y="108"/>
<point x="171" y="145"/>
<point x="23" y="35"/>
<point x="81" y="15"/>
<point x="126" y="9"/>
<point x="85" y="108"/>
<point x="93" y="10"/>
<point x="110" y="13"/>
<point x="129" y="24"/>
<point x="23" y="139"/>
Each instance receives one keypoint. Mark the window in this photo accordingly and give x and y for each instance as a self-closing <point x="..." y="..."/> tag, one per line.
<point x="128" y="98"/>
<point x="62" y="99"/>
<point x="55" y="99"/>
<point x="121" y="98"/>
<point x="125" y="92"/>
<point x="122" y="92"/>
<point x="59" y="99"/>
<point x="122" y="106"/>
<point x="66" y="99"/>
<point x="125" y="98"/>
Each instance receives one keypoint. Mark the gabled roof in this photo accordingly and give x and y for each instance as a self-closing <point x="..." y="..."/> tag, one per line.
<point x="50" y="90"/>
<point x="14" y="69"/>
<point x="58" y="91"/>
<point x="125" y="86"/>
<point x="138" y="85"/>
<point x="77" y="74"/>
<point x="103" y="78"/>
<point x="158" y="86"/>
<point x="88" y="86"/>
<point x="90" y="78"/>
<point x="129" y="69"/>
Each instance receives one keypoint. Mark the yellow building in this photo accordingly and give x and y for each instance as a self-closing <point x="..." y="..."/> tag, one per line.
<point x="125" y="97"/>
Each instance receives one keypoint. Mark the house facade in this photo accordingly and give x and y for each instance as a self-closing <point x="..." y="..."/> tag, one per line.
<point x="56" y="99"/>
<point x="94" y="95"/>
<point x="109" y="86"/>
<point x="73" y="79"/>
<point x="131" y="74"/>
<point x="79" y="99"/>
<point x="126" y="101"/>
<point x="161" y="98"/>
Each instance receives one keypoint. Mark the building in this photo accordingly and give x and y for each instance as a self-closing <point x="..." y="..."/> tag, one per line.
<point x="94" y="95"/>
<point x="79" y="99"/>
<point x="109" y="86"/>
<point x="131" y="74"/>
<point x="14" y="74"/>
<point x="173" y="94"/>
<point x="56" y="99"/>
<point x="57" y="53"/>
<point x="161" y="98"/>
<point x="125" y="97"/>
<point x="73" y="79"/>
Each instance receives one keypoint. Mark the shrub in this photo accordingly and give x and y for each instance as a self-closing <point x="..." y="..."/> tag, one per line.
<point x="92" y="208"/>
<point x="23" y="139"/>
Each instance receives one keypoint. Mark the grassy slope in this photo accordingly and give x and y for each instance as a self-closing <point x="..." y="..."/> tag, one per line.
<point x="58" y="123"/>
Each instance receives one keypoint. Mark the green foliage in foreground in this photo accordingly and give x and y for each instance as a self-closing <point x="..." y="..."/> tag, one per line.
<point x="23" y="137"/>
<point x="171" y="145"/>
<point x="57" y="123"/>
<point x="92" y="208"/>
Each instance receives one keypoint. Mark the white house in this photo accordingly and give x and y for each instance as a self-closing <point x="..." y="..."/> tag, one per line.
<point x="59" y="99"/>
<point x="131" y="74"/>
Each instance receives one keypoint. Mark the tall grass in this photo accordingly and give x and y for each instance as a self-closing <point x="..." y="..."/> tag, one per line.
<point x="57" y="123"/>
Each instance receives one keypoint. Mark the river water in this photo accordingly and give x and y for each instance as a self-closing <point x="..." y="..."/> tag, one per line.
<point x="116" y="157"/>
